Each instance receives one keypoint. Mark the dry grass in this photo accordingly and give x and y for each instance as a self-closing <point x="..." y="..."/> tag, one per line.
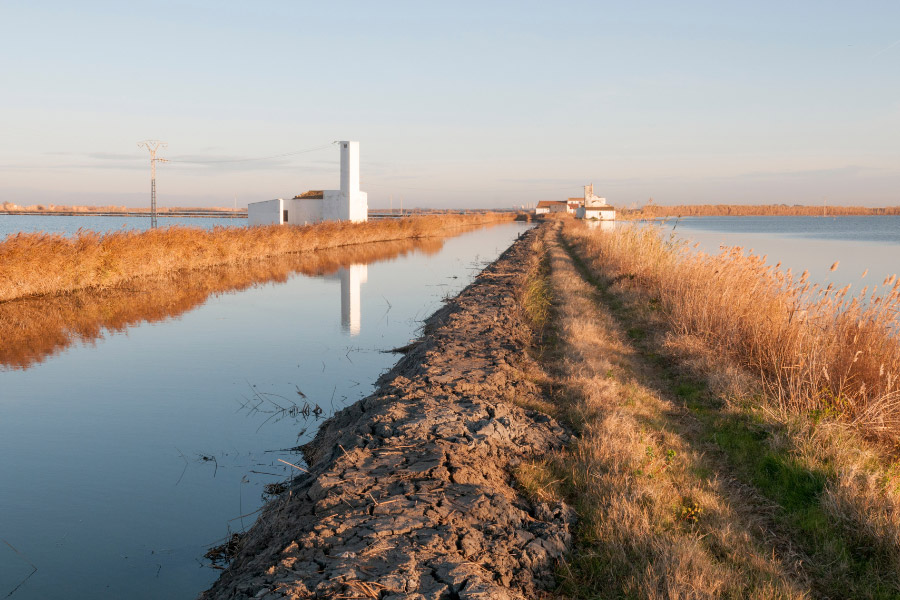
<point x="817" y="351"/>
<point x="792" y="385"/>
<point x="40" y="264"/>
<point x="34" y="328"/>
<point x="653" y="523"/>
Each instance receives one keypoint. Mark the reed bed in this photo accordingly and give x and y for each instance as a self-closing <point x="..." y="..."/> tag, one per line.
<point x="652" y="521"/>
<point x="40" y="264"/>
<point x="33" y="329"/>
<point x="818" y="351"/>
<point x="770" y="380"/>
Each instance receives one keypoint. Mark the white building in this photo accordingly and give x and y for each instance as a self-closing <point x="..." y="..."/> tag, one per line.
<point x="549" y="206"/>
<point x="595" y="207"/>
<point x="345" y="204"/>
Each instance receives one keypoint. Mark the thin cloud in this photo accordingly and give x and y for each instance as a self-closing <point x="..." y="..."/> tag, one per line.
<point x="880" y="52"/>
<point x="851" y="170"/>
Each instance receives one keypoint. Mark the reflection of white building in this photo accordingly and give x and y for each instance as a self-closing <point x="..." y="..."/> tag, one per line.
<point x="595" y="207"/>
<point x="352" y="278"/>
<point x="607" y="225"/>
<point x="345" y="204"/>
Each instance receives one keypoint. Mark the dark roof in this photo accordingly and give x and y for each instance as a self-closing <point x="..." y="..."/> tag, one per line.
<point x="311" y="195"/>
<point x="549" y="203"/>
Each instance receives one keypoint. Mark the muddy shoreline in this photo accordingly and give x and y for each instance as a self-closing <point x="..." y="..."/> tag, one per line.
<point x="410" y="492"/>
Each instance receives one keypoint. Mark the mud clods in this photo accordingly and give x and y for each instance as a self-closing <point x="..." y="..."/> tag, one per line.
<point x="410" y="493"/>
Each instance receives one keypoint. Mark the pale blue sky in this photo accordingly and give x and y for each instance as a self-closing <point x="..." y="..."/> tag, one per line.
<point x="454" y="104"/>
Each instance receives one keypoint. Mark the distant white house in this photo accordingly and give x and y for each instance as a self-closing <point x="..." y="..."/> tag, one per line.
<point x="595" y="207"/>
<point x="345" y="204"/>
<point x="550" y="206"/>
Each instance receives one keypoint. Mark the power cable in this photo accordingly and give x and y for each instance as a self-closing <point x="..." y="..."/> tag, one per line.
<point x="185" y="160"/>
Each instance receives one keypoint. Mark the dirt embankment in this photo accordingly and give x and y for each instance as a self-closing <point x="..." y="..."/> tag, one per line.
<point x="410" y="493"/>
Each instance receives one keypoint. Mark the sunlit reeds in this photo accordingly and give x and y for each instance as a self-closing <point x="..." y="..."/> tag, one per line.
<point x="818" y="350"/>
<point x="32" y="329"/>
<point x="35" y="264"/>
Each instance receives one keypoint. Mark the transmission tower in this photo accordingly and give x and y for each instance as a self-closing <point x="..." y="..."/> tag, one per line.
<point x="153" y="146"/>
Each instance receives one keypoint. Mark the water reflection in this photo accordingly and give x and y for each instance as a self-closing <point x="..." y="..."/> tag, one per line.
<point x="352" y="278"/>
<point x="601" y="225"/>
<point x="32" y="330"/>
<point x="172" y="432"/>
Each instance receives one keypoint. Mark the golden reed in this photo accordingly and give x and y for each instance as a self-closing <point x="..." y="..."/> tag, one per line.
<point x="815" y="349"/>
<point x="33" y="329"/>
<point x="40" y="263"/>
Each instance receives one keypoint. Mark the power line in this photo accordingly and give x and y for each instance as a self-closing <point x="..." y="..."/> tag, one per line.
<point x="186" y="160"/>
<point x="153" y="146"/>
<point x="558" y="188"/>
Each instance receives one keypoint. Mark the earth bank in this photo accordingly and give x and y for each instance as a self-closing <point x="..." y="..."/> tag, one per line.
<point x="409" y="492"/>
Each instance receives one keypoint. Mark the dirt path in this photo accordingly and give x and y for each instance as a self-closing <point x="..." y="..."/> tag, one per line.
<point x="660" y="516"/>
<point x="410" y="493"/>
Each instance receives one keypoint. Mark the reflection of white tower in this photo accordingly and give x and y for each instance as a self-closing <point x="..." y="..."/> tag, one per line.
<point x="601" y="225"/>
<point x="351" y="279"/>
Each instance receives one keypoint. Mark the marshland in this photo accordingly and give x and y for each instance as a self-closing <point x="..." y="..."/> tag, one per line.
<point x="38" y="263"/>
<point x="738" y="421"/>
<point x="692" y="392"/>
<point x="733" y="401"/>
<point x="143" y="420"/>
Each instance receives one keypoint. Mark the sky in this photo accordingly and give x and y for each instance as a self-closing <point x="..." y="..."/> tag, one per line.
<point x="455" y="104"/>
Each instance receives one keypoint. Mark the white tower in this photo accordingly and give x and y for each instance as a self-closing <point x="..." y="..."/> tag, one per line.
<point x="349" y="167"/>
<point x="355" y="204"/>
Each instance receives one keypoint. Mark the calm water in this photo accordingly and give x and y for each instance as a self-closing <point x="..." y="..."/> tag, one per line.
<point x="813" y="243"/>
<point x="11" y="224"/>
<point x="126" y="455"/>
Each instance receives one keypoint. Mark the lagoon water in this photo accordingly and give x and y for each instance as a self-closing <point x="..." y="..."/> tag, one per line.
<point x="799" y="243"/>
<point x="69" y="225"/>
<point x="140" y="428"/>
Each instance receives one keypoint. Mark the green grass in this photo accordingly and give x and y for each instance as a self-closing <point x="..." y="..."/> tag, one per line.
<point x="538" y="296"/>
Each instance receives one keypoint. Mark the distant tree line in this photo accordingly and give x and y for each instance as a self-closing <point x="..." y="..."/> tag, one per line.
<point x="654" y="211"/>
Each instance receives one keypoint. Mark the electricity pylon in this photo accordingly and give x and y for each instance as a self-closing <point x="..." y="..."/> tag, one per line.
<point x="152" y="146"/>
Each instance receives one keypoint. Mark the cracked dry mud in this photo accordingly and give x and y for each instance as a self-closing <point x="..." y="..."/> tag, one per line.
<point x="410" y="493"/>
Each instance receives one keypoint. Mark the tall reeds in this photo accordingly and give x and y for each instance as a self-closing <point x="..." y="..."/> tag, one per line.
<point x="32" y="329"/>
<point x="821" y="351"/>
<point x="40" y="263"/>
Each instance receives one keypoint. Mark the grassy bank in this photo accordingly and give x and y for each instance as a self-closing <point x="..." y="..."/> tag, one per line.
<point x="39" y="264"/>
<point x="695" y="473"/>
<point x="817" y="351"/>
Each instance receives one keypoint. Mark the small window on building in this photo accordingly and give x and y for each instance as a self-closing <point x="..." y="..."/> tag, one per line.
<point x="285" y="216"/>
<point x="345" y="145"/>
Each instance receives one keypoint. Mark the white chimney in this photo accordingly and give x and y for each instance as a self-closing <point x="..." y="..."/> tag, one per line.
<point x="349" y="168"/>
